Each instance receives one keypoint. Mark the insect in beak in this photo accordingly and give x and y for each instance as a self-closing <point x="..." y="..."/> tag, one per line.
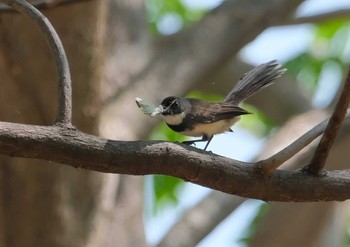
<point x="149" y="108"/>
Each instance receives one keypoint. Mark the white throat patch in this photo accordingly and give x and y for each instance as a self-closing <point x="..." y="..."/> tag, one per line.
<point x="174" y="119"/>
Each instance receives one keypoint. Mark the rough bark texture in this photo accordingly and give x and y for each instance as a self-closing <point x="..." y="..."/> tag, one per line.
<point x="77" y="149"/>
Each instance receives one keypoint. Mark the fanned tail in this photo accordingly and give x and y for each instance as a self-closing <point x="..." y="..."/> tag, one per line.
<point x="256" y="79"/>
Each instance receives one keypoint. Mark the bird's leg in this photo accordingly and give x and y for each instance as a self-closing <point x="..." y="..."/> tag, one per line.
<point x="204" y="138"/>
<point x="193" y="141"/>
<point x="209" y="140"/>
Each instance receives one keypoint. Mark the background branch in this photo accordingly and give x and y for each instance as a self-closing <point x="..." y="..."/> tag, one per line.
<point x="319" y="18"/>
<point x="199" y="221"/>
<point x="64" y="113"/>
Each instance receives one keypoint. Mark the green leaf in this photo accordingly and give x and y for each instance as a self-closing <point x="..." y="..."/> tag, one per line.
<point x="329" y="45"/>
<point x="204" y="96"/>
<point x="166" y="189"/>
<point x="163" y="132"/>
<point x="327" y="30"/>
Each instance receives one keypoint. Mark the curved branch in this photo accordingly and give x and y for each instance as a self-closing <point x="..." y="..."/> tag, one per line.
<point x="81" y="150"/>
<point x="64" y="114"/>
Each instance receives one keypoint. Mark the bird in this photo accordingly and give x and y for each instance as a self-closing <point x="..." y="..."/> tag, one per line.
<point x="200" y="118"/>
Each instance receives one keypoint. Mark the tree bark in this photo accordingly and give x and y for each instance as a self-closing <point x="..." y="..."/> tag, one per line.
<point x="41" y="204"/>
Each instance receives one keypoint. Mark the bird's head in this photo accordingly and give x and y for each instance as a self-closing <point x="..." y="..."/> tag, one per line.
<point x="171" y="106"/>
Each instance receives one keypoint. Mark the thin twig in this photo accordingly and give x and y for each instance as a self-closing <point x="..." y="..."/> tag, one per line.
<point x="318" y="161"/>
<point x="64" y="114"/>
<point x="269" y="165"/>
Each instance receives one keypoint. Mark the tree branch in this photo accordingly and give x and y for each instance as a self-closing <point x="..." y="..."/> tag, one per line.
<point x="74" y="148"/>
<point x="318" y="161"/>
<point x="319" y="18"/>
<point x="64" y="114"/>
<point x="65" y="145"/>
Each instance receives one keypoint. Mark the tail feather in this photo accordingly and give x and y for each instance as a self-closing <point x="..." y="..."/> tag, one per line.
<point x="256" y="79"/>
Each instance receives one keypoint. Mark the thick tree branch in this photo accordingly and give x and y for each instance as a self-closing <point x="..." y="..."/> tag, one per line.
<point x="319" y="159"/>
<point x="81" y="150"/>
<point x="64" y="114"/>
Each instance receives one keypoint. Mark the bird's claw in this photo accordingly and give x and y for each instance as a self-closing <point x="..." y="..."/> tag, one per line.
<point x="189" y="143"/>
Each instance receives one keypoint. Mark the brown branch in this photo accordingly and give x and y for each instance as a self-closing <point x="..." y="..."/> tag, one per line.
<point x="319" y="18"/>
<point x="318" y="161"/>
<point x="74" y="148"/>
<point x="64" y="114"/>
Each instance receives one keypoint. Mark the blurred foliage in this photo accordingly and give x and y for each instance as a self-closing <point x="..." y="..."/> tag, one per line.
<point x="347" y="230"/>
<point x="165" y="191"/>
<point x="163" y="132"/>
<point x="205" y="96"/>
<point x="159" y="9"/>
<point x="329" y="45"/>
<point x="257" y="122"/>
<point x="165" y="188"/>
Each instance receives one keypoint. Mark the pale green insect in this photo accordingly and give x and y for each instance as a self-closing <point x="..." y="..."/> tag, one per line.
<point x="148" y="108"/>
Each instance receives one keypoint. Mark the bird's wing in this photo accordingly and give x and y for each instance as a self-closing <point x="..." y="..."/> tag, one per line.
<point x="209" y="112"/>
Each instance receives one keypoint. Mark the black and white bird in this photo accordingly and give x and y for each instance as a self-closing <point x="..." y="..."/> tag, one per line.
<point x="196" y="117"/>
